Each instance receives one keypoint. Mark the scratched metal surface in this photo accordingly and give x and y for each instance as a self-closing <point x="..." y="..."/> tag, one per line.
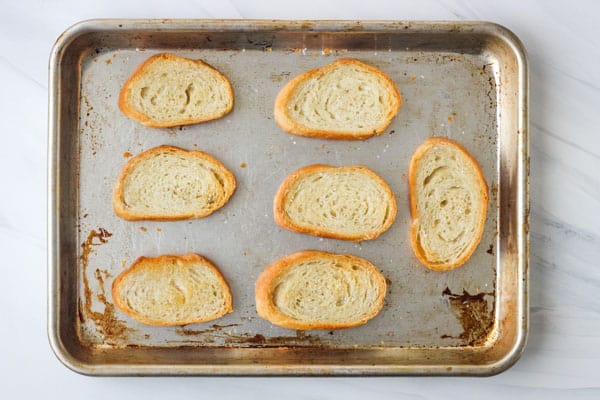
<point x="451" y="92"/>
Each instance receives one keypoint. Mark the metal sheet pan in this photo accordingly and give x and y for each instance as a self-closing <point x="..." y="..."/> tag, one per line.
<point x="466" y="81"/>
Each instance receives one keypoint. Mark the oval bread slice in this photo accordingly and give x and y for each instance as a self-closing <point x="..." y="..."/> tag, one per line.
<point x="319" y="290"/>
<point x="172" y="290"/>
<point x="448" y="199"/>
<point x="167" y="90"/>
<point x="346" y="99"/>
<point x="168" y="183"/>
<point x="350" y="203"/>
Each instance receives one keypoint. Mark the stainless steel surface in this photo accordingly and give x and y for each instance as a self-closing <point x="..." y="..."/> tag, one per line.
<point x="466" y="81"/>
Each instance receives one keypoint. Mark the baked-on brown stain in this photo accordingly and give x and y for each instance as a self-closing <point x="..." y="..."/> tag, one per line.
<point x="473" y="314"/>
<point x="192" y="332"/>
<point x="210" y="335"/>
<point x="127" y="154"/>
<point x="300" y="340"/>
<point x="106" y="322"/>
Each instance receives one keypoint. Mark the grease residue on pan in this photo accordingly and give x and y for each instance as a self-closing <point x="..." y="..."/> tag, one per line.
<point x="112" y="329"/>
<point x="228" y="337"/>
<point x="475" y="313"/>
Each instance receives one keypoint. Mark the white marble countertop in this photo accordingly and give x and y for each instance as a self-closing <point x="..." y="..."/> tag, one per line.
<point x="562" y="357"/>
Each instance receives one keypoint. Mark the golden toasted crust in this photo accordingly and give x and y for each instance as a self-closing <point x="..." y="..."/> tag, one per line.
<point x="282" y="219"/>
<point x="132" y="113"/>
<point x="119" y="203"/>
<point x="416" y="246"/>
<point x="289" y="125"/>
<point x="157" y="263"/>
<point x="265" y="290"/>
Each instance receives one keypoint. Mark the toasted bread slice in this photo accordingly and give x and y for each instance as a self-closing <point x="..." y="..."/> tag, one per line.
<point x="350" y="203"/>
<point x="319" y="290"/>
<point x="167" y="183"/>
<point x="346" y="99"/>
<point x="167" y="90"/>
<point x="448" y="203"/>
<point x="172" y="290"/>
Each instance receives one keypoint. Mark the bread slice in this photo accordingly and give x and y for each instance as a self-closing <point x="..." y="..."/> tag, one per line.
<point x="172" y="290"/>
<point x="319" y="290"/>
<point x="448" y="203"/>
<point x="167" y="90"/>
<point x="350" y="203"/>
<point x="168" y="183"/>
<point x="347" y="99"/>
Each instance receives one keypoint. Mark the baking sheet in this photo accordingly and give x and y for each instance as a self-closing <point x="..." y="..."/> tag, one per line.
<point x="452" y="91"/>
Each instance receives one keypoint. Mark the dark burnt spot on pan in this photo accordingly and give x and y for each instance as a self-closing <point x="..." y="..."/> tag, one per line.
<point x="228" y="338"/>
<point x="80" y="312"/>
<point x="490" y="250"/>
<point x="473" y="313"/>
<point x="106" y="322"/>
<point x="183" y="331"/>
<point x="301" y="339"/>
<point x="265" y="44"/>
<point x="486" y="65"/>
<point x="258" y="339"/>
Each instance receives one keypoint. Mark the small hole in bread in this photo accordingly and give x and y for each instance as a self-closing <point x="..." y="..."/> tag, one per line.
<point x="443" y="203"/>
